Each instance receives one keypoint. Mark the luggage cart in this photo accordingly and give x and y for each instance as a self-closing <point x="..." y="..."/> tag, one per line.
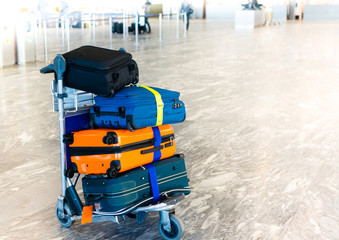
<point x="70" y="103"/>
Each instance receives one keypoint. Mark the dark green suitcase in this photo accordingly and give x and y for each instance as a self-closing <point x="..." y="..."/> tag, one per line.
<point x="132" y="188"/>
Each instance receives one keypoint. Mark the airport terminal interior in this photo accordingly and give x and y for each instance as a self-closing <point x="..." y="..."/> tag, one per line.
<point x="259" y="80"/>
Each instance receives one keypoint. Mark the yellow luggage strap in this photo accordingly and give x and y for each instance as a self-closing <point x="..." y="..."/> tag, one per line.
<point x="159" y="102"/>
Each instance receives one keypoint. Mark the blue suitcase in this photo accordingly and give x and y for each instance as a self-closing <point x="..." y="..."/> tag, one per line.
<point x="137" y="107"/>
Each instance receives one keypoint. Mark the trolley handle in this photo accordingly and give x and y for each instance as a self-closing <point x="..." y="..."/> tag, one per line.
<point x="47" y="69"/>
<point x="58" y="66"/>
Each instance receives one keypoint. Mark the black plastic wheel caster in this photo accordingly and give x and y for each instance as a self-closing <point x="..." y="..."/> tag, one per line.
<point x="71" y="171"/>
<point x="112" y="173"/>
<point x="129" y="127"/>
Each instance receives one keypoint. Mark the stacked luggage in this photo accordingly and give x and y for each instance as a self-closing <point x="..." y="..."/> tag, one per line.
<point x="128" y="152"/>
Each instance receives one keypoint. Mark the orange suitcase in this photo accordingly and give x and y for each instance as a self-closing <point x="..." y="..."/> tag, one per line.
<point x="108" y="151"/>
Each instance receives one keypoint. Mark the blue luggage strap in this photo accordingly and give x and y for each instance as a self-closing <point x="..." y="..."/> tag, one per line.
<point x="151" y="169"/>
<point x="157" y="143"/>
<point x="154" y="182"/>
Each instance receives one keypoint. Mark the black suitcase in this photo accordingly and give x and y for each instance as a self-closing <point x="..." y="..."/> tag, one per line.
<point x="117" y="28"/>
<point x="134" y="187"/>
<point x="114" y="27"/>
<point x="120" y="28"/>
<point x="98" y="70"/>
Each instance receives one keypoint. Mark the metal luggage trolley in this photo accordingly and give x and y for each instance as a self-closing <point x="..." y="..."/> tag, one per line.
<point x="73" y="106"/>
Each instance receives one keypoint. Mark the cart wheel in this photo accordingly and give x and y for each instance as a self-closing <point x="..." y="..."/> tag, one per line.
<point x="177" y="229"/>
<point x="64" y="220"/>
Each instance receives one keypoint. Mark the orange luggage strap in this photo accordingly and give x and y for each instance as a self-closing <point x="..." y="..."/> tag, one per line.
<point x="159" y="104"/>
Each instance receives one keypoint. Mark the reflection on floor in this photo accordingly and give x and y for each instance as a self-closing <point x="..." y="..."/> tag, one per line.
<point x="260" y="137"/>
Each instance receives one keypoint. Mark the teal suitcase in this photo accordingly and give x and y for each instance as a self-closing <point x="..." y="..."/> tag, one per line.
<point x="137" y="187"/>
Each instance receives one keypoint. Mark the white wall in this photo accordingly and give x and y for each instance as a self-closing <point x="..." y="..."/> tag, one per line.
<point x="198" y="8"/>
<point x="225" y="10"/>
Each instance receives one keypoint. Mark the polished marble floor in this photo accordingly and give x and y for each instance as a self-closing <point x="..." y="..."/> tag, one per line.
<point x="260" y="138"/>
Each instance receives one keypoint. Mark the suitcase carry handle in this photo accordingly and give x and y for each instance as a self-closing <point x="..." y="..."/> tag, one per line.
<point x="93" y="197"/>
<point x="152" y="150"/>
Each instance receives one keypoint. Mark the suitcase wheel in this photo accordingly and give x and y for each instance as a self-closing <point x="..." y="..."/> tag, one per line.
<point x="129" y="127"/>
<point x="65" y="217"/>
<point x="112" y="172"/>
<point x="110" y="138"/>
<point x="70" y="171"/>
<point x="136" y="80"/>
<point x="177" y="229"/>
<point x="131" y="215"/>
<point x="112" y="92"/>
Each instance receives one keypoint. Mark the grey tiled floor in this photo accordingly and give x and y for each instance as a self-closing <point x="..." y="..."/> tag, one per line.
<point x="260" y="139"/>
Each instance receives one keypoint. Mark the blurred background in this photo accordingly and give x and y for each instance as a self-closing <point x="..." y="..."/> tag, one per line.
<point x="261" y="135"/>
<point x="34" y="30"/>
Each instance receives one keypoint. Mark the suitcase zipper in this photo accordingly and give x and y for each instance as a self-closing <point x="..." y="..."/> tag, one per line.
<point x="142" y="186"/>
<point x="122" y="64"/>
<point x="86" y="151"/>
